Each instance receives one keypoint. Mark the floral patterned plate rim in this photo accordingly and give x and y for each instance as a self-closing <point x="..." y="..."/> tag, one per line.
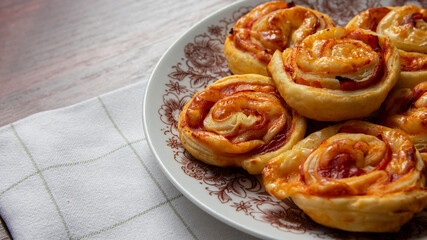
<point x="238" y="199"/>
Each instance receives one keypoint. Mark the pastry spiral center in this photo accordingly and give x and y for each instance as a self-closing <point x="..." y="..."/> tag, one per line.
<point x="276" y="26"/>
<point x="407" y="28"/>
<point x="345" y="155"/>
<point x="284" y="28"/>
<point x="246" y="116"/>
<point x="342" y="56"/>
<point x="337" y="58"/>
<point x="239" y="117"/>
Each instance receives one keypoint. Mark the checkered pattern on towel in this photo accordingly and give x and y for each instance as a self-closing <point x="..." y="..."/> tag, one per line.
<point x="86" y="172"/>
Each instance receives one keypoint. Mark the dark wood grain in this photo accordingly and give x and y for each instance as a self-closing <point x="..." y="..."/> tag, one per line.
<point x="57" y="53"/>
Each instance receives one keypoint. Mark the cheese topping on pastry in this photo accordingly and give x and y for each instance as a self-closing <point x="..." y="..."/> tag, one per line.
<point x="337" y="74"/>
<point x="337" y="59"/>
<point x="369" y="19"/>
<point x="406" y="26"/>
<point x="355" y="176"/>
<point x="239" y="121"/>
<point x="406" y="109"/>
<point x="269" y="27"/>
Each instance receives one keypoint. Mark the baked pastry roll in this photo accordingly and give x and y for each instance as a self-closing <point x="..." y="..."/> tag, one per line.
<point x="354" y="176"/>
<point x="369" y="19"/>
<point x="268" y="27"/>
<point x="406" y="26"/>
<point x="336" y="74"/>
<point x="239" y="121"/>
<point x="406" y="109"/>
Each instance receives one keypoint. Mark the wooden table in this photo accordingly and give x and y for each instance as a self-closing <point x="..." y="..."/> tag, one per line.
<point x="57" y="53"/>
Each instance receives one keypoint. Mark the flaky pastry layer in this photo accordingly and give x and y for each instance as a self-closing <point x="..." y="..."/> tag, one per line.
<point x="354" y="176"/>
<point x="406" y="26"/>
<point x="239" y="121"/>
<point x="268" y="27"/>
<point x="336" y="74"/>
<point x="406" y="109"/>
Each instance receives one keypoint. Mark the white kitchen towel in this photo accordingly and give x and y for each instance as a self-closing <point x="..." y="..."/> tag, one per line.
<point x="86" y="172"/>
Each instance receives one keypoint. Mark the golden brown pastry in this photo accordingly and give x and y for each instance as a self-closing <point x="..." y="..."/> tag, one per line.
<point x="406" y="109"/>
<point x="239" y="121"/>
<point x="369" y="19"/>
<point x="406" y="26"/>
<point x="354" y="176"/>
<point x="268" y="27"/>
<point x="336" y="74"/>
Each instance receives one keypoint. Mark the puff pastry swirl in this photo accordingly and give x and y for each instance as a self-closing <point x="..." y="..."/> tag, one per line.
<point x="354" y="176"/>
<point x="406" y="109"/>
<point x="268" y="27"/>
<point x="239" y="121"/>
<point x="336" y="74"/>
<point x="406" y="26"/>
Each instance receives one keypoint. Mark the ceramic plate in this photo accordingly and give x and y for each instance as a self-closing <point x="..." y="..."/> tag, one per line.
<point x="195" y="61"/>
